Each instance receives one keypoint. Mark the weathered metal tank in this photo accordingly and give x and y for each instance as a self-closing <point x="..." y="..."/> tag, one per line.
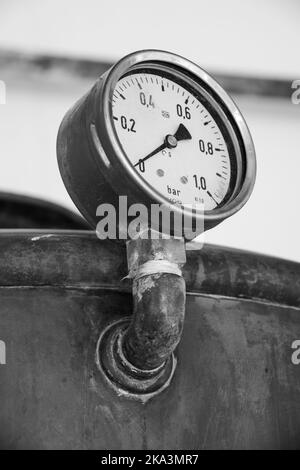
<point x="18" y="211"/>
<point x="142" y="346"/>
<point x="234" y="386"/>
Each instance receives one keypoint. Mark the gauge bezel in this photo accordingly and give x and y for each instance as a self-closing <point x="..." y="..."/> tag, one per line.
<point x="118" y="169"/>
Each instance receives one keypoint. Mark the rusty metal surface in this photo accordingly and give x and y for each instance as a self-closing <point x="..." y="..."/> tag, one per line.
<point x="235" y="273"/>
<point x="126" y="379"/>
<point x="60" y="258"/>
<point x="234" y="385"/>
<point x="158" y="301"/>
<point x="136" y="354"/>
<point x="78" y="259"/>
<point x="158" y="317"/>
<point x="140" y="250"/>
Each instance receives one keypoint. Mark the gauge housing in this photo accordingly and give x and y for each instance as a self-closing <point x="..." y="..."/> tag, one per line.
<point x="95" y="168"/>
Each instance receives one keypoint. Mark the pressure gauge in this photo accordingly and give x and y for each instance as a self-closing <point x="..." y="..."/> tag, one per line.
<point x="160" y="130"/>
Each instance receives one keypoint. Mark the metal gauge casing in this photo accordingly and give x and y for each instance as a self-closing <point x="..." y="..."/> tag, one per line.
<point x="94" y="164"/>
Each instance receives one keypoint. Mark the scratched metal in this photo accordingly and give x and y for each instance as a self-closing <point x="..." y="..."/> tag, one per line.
<point x="235" y="386"/>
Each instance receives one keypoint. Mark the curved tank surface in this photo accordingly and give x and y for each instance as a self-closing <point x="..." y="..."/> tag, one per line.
<point x="23" y="212"/>
<point x="235" y="385"/>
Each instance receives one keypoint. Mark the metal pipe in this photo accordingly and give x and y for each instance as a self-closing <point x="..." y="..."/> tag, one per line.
<point x="158" y="301"/>
<point x="137" y="354"/>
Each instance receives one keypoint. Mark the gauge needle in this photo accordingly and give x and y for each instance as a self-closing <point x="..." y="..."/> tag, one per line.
<point x="210" y="195"/>
<point x="170" y="142"/>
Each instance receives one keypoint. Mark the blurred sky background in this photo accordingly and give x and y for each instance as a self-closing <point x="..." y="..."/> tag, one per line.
<point x="252" y="37"/>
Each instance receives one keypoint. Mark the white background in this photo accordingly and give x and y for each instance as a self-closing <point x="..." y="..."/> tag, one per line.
<point x="253" y="37"/>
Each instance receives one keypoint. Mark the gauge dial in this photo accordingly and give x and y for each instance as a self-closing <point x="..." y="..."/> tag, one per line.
<point x="173" y="137"/>
<point x="157" y="128"/>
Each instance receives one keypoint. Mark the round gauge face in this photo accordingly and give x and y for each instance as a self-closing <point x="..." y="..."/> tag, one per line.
<point x="175" y="138"/>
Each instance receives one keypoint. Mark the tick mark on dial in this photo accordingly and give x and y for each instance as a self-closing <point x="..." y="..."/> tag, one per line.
<point x="210" y="195"/>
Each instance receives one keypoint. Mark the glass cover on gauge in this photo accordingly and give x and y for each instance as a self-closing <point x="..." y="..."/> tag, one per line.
<point x="176" y="136"/>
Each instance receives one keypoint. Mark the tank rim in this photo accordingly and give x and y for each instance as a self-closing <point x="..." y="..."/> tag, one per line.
<point x="77" y="259"/>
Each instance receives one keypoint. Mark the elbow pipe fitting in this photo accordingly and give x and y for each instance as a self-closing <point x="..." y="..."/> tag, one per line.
<point x="136" y="354"/>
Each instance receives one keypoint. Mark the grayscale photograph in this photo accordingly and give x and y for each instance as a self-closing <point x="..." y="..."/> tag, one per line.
<point x="149" y="229"/>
